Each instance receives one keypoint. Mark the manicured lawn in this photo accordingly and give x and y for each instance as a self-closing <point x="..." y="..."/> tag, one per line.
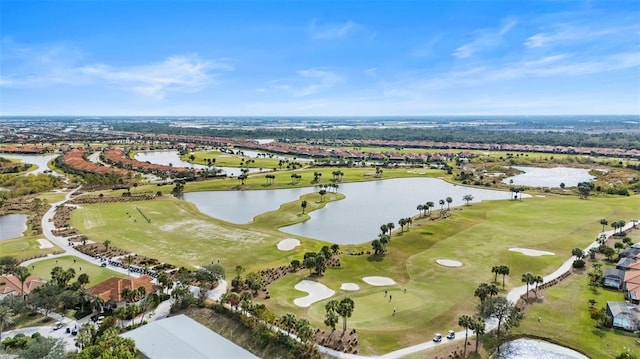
<point x="96" y="273"/>
<point x="564" y="316"/>
<point x="25" y="248"/>
<point x="179" y="234"/>
<point x="52" y="197"/>
<point x="228" y="160"/>
<point x="479" y="236"/>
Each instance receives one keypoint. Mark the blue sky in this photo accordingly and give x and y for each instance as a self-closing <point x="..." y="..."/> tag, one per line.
<point x="319" y="58"/>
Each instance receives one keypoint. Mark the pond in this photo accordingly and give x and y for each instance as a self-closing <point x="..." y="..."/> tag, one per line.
<point x="39" y="160"/>
<point x="549" y="177"/>
<point x="534" y="349"/>
<point x="172" y="158"/>
<point x="355" y="219"/>
<point x="12" y="225"/>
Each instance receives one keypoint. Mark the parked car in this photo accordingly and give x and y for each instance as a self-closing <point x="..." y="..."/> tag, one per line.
<point x="437" y="338"/>
<point x="103" y="264"/>
<point x="57" y="326"/>
<point x="451" y="334"/>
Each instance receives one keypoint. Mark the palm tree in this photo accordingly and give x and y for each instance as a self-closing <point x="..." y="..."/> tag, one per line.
<point x="390" y="227"/>
<point x="465" y="321"/>
<point x="345" y="309"/>
<point x="402" y="222"/>
<point x="106" y="244"/>
<point x="128" y="260"/>
<point x="331" y="318"/>
<point x="603" y="222"/>
<point x="492" y="290"/>
<point x="478" y="325"/>
<point x="6" y="317"/>
<point x="449" y="200"/>
<point x="384" y="228"/>
<point x="528" y="278"/>
<point x="482" y="292"/>
<point x="419" y="209"/>
<point x="467" y="198"/>
<point x="430" y="205"/>
<point x="504" y="271"/>
<point x="538" y="280"/>
<point x="322" y="192"/>
<point x="441" y="202"/>
<point x="303" y="204"/>
<point x="288" y="321"/>
<point x="22" y="273"/>
<point x="496" y="270"/>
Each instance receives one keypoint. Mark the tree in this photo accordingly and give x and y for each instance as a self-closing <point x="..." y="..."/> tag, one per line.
<point x="496" y="270"/>
<point x="478" y="325"/>
<point x="449" y="200"/>
<point x="106" y="243"/>
<point x="492" y="290"/>
<point x="322" y="192"/>
<point x="584" y="189"/>
<point x="429" y="206"/>
<point x="164" y="280"/>
<point x="466" y="322"/>
<point x="419" y="208"/>
<point x="482" y="292"/>
<point x="345" y="309"/>
<point x="288" y="322"/>
<point x="608" y="252"/>
<point x="505" y="312"/>
<point x="377" y="246"/>
<point x="538" y="280"/>
<point x="22" y="273"/>
<point x="603" y="222"/>
<point x="44" y="347"/>
<point x="528" y="279"/>
<point x="83" y="280"/>
<point x="504" y="271"/>
<point x="6" y="317"/>
<point x="85" y="335"/>
<point x="303" y="204"/>
<point x="331" y="316"/>
<point x="335" y="248"/>
<point x="110" y="345"/>
<point x="467" y="198"/>
<point x="128" y="260"/>
<point x="310" y="261"/>
<point x="441" y="202"/>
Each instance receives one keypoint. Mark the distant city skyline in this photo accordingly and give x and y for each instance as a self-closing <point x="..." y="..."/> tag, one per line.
<point x="319" y="58"/>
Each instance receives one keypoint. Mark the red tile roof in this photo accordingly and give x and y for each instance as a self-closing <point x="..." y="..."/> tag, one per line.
<point x="11" y="284"/>
<point x="111" y="289"/>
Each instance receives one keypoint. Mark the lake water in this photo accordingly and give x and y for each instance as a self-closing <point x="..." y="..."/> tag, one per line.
<point x="536" y="349"/>
<point x="172" y="157"/>
<point x="549" y="177"/>
<point x="39" y="160"/>
<point x="355" y="219"/>
<point x="12" y="225"/>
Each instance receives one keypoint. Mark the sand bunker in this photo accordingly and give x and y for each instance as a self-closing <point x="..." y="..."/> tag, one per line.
<point x="288" y="244"/>
<point x="448" y="263"/>
<point x="317" y="292"/>
<point x="531" y="252"/>
<point x="45" y="243"/>
<point x="349" y="286"/>
<point x="379" y="281"/>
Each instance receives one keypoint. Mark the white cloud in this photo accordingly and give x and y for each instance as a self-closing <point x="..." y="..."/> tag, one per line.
<point x="570" y="33"/>
<point x="332" y="31"/>
<point x="177" y="73"/>
<point x="50" y="65"/>
<point x="485" y="39"/>
<point x="308" y="82"/>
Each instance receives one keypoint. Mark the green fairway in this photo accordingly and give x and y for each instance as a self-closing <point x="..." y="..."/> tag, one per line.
<point x="96" y="273"/>
<point x="25" y="248"/>
<point x="479" y="236"/>
<point x="52" y="197"/>
<point x="179" y="234"/>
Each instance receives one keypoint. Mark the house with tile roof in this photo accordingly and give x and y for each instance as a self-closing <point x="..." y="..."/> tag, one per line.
<point x="110" y="290"/>
<point x="10" y="285"/>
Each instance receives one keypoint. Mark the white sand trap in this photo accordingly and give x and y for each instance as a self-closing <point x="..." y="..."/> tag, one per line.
<point x="448" y="263"/>
<point x="317" y="292"/>
<point x="288" y="244"/>
<point x="378" y="281"/>
<point x="540" y="196"/>
<point x="45" y="243"/>
<point x="349" y="286"/>
<point x="532" y="252"/>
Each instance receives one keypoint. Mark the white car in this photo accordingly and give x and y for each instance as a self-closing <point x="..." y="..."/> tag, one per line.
<point x="437" y="338"/>
<point x="451" y="334"/>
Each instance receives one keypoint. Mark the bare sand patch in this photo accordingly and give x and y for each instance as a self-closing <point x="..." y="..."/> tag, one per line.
<point x="45" y="243"/>
<point x="349" y="286"/>
<point x="288" y="244"/>
<point x="531" y="252"/>
<point x="448" y="263"/>
<point x="317" y="292"/>
<point x="379" y="281"/>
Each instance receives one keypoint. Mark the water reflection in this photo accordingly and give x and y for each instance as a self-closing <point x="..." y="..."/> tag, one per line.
<point x="536" y="349"/>
<point x="356" y="219"/>
<point x="12" y="225"/>
<point x="172" y="158"/>
<point x="39" y="160"/>
<point x="549" y="177"/>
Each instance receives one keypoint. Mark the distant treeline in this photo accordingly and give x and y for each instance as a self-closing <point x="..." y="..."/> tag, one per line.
<point x="472" y="134"/>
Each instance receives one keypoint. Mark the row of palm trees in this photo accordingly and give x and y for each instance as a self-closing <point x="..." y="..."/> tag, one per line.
<point x="531" y="279"/>
<point x="475" y="324"/>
